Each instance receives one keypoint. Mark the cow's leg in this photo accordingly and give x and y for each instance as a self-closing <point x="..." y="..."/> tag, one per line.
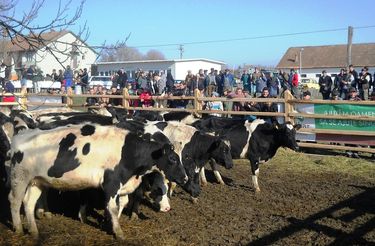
<point x="32" y="194"/>
<point x="171" y="187"/>
<point x="255" y="173"/>
<point x="43" y="210"/>
<point x="213" y="165"/>
<point x="82" y="213"/>
<point x="113" y="210"/>
<point x="202" y="176"/>
<point x="16" y="195"/>
<point x="123" y="202"/>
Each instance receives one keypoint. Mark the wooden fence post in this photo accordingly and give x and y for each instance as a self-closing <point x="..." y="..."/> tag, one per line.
<point x="125" y="102"/>
<point x="23" y="100"/>
<point x="69" y="99"/>
<point x="289" y="107"/>
<point x="197" y="103"/>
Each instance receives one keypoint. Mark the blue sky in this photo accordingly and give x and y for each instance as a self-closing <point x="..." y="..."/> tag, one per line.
<point x="154" y="23"/>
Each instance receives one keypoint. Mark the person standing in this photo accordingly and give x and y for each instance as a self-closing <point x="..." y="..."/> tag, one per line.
<point x="84" y="80"/>
<point x="342" y="83"/>
<point x="246" y="81"/>
<point x="211" y="87"/>
<point x="68" y="77"/>
<point x="273" y="85"/>
<point x="169" y="83"/>
<point x="229" y="81"/>
<point x="254" y="77"/>
<point x="122" y="79"/>
<point x="363" y="83"/>
<point x="220" y="82"/>
<point x="325" y="83"/>
<point x="354" y="82"/>
<point x="260" y="83"/>
<point x="189" y="81"/>
<point x="2" y="74"/>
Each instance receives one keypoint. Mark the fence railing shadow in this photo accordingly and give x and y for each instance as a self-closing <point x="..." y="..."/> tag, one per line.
<point x="363" y="203"/>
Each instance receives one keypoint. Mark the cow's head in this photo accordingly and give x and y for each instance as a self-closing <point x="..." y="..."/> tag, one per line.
<point x="168" y="162"/>
<point x="287" y="133"/>
<point x="220" y="151"/>
<point x="192" y="170"/>
<point x="156" y="191"/>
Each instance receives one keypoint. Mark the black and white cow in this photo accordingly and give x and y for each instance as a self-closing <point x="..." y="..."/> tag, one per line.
<point x="153" y="190"/>
<point x="78" y="157"/>
<point x="196" y="148"/>
<point x="258" y="141"/>
<point x="183" y="117"/>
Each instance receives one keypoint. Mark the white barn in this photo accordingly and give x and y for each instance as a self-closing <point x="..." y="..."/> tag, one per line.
<point x="178" y="67"/>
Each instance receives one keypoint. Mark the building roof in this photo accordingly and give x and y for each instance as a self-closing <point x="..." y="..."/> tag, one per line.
<point x="162" y="61"/>
<point x="328" y="56"/>
<point x="20" y="44"/>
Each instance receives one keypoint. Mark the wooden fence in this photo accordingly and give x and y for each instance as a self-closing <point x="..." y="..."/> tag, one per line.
<point x="288" y="106"/>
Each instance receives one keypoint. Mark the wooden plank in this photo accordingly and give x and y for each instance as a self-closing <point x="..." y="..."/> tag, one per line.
<point x="336" y="117"/>
<point x="240" y="113"/>
<point x="339" y="132"/>
<point x="318" y="101"/>
<point x="335" y="147"/>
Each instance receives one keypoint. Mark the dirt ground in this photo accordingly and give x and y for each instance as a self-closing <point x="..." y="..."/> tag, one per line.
<point x="303" y="201"/>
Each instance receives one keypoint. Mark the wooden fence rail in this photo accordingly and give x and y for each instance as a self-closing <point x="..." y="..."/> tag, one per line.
<point x="287" y="106"/>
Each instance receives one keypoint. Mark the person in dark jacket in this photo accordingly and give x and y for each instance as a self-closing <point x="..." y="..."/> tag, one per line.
<point x="169" y="82"/>
<point x="325" y="83"/>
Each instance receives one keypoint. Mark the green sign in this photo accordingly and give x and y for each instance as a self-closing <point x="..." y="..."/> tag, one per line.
<point x="345" y="110"/>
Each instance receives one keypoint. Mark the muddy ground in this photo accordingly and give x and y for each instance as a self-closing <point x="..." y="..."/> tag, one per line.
<point x="304" y="200"/>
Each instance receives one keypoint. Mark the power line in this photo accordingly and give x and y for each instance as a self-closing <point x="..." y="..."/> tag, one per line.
<point x="251" y="38"/>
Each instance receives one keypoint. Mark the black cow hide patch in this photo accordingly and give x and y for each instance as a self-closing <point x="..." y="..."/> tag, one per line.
<point x="86" y="149"/>
<point x="66" y="159"/>
<point x="161" y="125"/>
<point x="17" y="158"/>
<point x="87" y="130"/>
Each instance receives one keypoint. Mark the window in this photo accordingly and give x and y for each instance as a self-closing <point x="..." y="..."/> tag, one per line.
<point x="303" y="75"/>
<point x="317" y="75"/>
<point x="29" y="56"/>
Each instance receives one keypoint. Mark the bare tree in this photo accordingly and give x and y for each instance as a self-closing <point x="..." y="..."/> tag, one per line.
<point x="154" y="55"/>
<point x="115" y="53"/>
<point x="27" y="35"/>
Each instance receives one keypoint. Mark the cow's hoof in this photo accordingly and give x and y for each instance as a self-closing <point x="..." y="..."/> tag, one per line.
<point x="257" y="190"/>
<point x="39" y="213"/>
<point x="134" y="216"/>
<point x="120" y="236"/>
<point x="204" y="183"/>
<point x="221" y="182"/>
<point x="34" y="235"/>
<point x="19" y="231"/>
<point x="194" y="200"/>
<point x="48" y="215"/>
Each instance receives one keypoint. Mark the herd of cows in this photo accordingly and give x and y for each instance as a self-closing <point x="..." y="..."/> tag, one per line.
<point x="126" y="159"/>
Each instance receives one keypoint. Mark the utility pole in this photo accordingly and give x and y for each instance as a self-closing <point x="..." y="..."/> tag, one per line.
<point x="181" y="49"/>
<point x="300" y="61"/>
<point x="349" y="48"/>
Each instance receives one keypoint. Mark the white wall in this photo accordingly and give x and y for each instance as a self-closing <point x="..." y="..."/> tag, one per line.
<point x="46" y="61"/>
<point x="182" y="68"/>
<point x="311" y="72"/>
<point x="178" y="69"/>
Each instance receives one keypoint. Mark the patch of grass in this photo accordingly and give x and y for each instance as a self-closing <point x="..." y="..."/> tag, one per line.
<point x="301" y="162"/>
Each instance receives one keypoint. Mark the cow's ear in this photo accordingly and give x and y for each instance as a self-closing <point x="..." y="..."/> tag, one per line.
<point x="214" y="145"/>
<point x="167" y="148"/>
<point x="297" y="127"/>
<point x="276" y="124"/>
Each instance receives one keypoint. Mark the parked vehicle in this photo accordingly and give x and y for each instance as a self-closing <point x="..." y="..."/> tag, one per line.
<point x="105" y="81"/>
<point x="309" y="83"/>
